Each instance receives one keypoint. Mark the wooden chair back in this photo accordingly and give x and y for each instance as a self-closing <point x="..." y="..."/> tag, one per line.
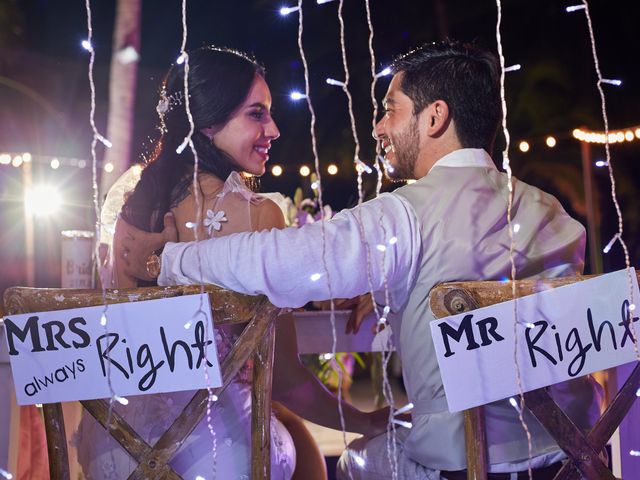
<point x="153" y="461"/>
<point x="583" y="450"/>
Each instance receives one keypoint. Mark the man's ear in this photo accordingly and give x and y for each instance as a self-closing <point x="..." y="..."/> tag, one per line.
<point x="437" y="118"/>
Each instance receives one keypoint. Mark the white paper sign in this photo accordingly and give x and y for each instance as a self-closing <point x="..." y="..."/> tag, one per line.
<point x="144" y="348"/>
<point x="562" y="333"/>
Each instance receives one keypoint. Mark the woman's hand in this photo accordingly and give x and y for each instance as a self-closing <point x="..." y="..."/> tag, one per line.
<point x="138" y="245"/>
<point x="377" y="421"/>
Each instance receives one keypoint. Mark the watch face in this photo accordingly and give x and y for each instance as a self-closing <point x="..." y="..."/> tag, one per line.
<point x="153" y="265"/>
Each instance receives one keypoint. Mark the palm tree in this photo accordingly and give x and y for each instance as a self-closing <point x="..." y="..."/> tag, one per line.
<point x="122" y="88"/>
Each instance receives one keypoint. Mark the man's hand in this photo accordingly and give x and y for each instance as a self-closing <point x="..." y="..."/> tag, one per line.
<point x="138" y="245"/>
<point x="360" y="307"/>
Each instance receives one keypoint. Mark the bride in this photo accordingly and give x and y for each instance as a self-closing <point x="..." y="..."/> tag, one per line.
<point x="230" y="104"/>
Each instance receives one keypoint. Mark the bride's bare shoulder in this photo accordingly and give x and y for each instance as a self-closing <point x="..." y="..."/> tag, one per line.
<point x="267" y="214"/>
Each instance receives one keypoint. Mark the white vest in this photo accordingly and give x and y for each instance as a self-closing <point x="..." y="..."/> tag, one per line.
<point x="462" y="215"/>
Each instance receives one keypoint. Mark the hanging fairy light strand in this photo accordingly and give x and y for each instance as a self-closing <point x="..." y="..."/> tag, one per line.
<point x="507" y="167"/>
<point x="614" y="197"/>
<point x="361" y="167"/>
<point x="316" y="159"/>
<point x="97" y="137"/>
<point x="382" y="319"/>
<point x="183" y="59"/>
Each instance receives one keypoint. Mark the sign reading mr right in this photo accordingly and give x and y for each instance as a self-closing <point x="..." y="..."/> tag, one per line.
<point x="561" y="333"/>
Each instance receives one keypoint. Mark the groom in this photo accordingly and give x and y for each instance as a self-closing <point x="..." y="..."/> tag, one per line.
<point x="442" y="111"/>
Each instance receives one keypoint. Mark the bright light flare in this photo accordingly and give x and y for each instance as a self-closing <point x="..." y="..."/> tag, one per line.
<point x="276" y="170"/>
<point x="384" y="72"/>
<point x="86" y="44"/>
<point x="42" y="200"/>
<point x="284" y="11"/>
<point x="55" y="163"/>
<point x="295" y="96"/>
<point x="108" y="167"/>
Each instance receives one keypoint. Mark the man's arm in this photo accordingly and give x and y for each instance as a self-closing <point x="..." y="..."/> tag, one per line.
<point x="289" y="267"/>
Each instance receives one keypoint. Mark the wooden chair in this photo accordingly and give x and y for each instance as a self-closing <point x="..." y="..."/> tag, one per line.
<point x="153" y="461"/>
<point x="583" y="451"/>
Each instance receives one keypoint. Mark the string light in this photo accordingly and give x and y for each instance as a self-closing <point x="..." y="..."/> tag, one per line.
<point x="611" y="81"/>
<point x="608" y="246"/>
<point x="108" y="167"/>
<point x="601" y="163"/>
<point x="402" y="423"/>
<point x="614" y="196"/>
<point x="55" y="163"/>
<point x="315" y="277"/>
<point x="513" y="68"/>
<point x="295" y="96"/>
<point x="551" y="141"/>
<point x="305" y="171"/>
<point x="5" y="159"/>
<point x="408" y="407"/>
<point x="320" y="2"/>
<point x="383" y="73"/>
<point x="332" y="169"/>
<point x="524" y="146"/>
<point x="86" y="44"/>
<point x="17" y="161"/>
<point x="337" y="83"/>
<point x="5" y="474"/>
<point x="26" y="157"/>
<point x="507" y="167"/>
<point x="284" y="11"/>
<point x="276" y="170"/>
<point x="613" y="136"/>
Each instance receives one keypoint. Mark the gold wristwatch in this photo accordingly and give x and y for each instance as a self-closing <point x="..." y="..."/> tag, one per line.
<point x="153" y="265"/>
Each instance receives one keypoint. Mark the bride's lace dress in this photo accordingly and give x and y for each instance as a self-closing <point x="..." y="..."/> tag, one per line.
<point x="150" y="415"/>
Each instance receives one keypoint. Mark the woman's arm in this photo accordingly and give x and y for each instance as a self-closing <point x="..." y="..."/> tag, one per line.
<point x="302" y="393"/>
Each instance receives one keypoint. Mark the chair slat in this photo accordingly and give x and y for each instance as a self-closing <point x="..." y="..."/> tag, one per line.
<point x="228" y="308"/>
<point x="261" y="407"/>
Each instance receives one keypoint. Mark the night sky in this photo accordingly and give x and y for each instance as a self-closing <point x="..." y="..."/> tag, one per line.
<point x="45" y="96"/>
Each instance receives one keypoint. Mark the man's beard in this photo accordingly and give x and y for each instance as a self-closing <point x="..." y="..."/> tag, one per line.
<point x="406" y="146"/>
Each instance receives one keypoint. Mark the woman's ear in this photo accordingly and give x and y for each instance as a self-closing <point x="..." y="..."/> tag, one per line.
<point x="437" y="118"/>
<point x="209" y="132"/>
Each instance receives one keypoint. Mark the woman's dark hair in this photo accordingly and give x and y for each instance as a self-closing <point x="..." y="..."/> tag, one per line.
<point x="219" y="81"/>
<point x="466" y="77"/>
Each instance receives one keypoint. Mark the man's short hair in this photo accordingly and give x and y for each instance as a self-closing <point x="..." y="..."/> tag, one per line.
<point x="463" y="75"/>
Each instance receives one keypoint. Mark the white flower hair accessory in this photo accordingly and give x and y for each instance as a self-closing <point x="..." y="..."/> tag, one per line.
<point x="214" y="220"/>
<point x="167" y="102"/>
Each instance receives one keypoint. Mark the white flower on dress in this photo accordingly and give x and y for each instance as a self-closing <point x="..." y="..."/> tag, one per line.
<point x="213" y="220"/>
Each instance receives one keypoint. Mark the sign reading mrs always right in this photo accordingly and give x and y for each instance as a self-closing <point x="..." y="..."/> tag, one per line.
<point x="562" y="333"/>
<point x="145" y="347"/>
